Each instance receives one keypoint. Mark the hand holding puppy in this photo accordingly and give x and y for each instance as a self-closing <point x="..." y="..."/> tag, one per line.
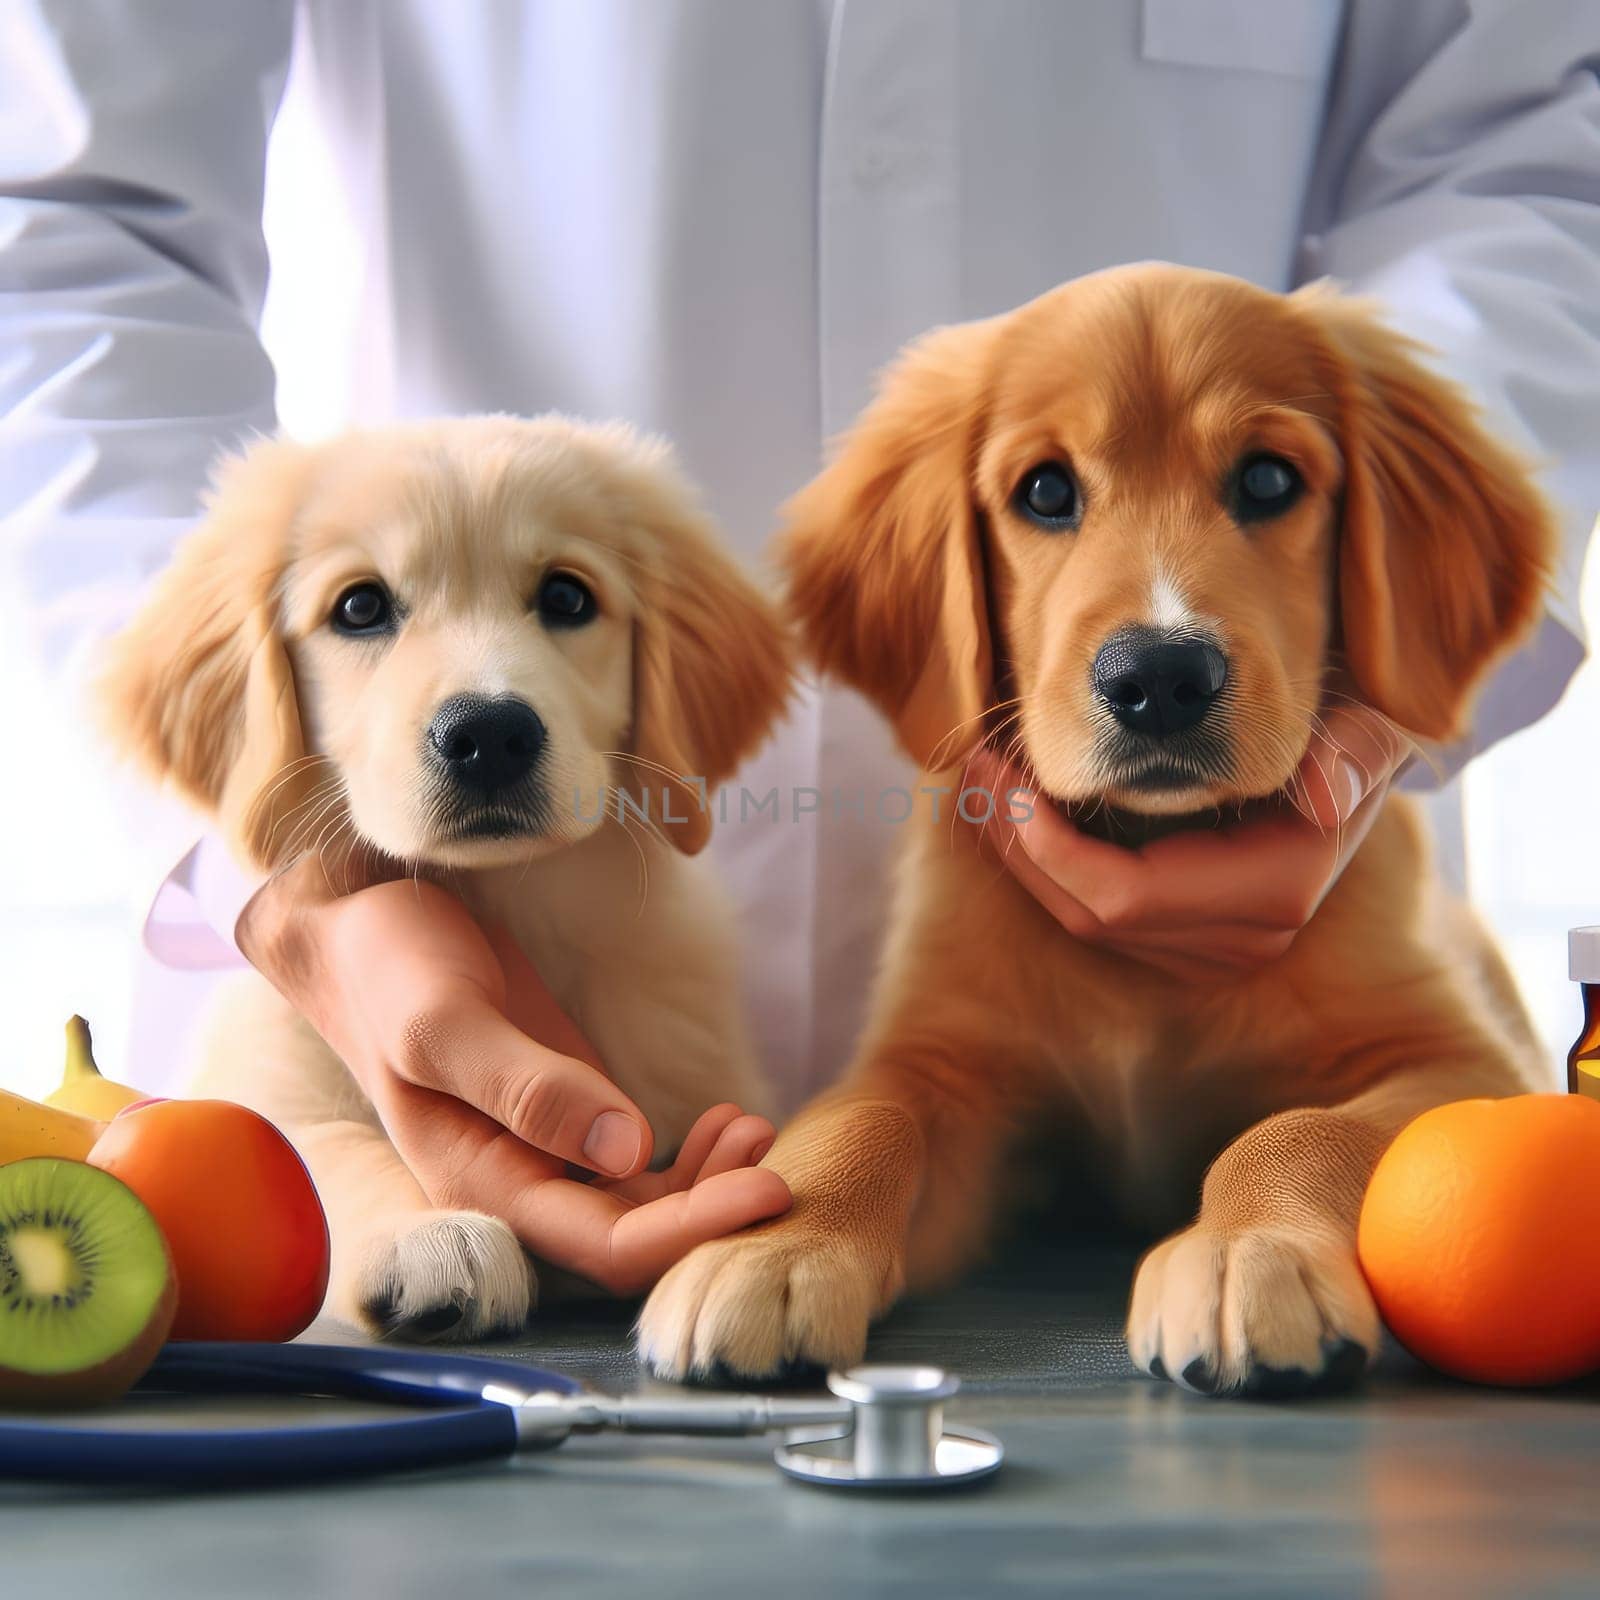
<point x="1212" y="902"/>
<point x="486" y="1087"/>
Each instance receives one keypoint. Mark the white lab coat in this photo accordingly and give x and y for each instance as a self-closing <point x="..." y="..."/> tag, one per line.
<point x="719" y="218"/>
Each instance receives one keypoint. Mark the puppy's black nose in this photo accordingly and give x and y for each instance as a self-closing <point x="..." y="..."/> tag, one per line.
<point x="486" y="744"/>
<point x="1158" y="685"/>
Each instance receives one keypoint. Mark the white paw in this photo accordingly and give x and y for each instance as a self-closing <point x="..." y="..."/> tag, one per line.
<point x="452" y="1276"/>
<point x="1261" y="1311"/>
<point x="759" y="1303"/>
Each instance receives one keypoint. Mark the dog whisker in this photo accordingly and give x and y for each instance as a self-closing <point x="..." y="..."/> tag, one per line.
<point x="643" y="761"/>
<point x="644" y="864"/>
<point x="315" y="807"/>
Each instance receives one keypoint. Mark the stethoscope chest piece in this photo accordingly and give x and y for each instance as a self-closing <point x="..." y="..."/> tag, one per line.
<point x="897" y="1438"/>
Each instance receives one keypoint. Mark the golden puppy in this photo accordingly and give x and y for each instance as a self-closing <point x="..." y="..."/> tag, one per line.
<point x="1128" y="529"/>
<point x="463" y="643"/>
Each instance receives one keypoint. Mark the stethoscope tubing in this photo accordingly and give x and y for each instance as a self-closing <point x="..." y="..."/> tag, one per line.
<point x="464" y="1426"/>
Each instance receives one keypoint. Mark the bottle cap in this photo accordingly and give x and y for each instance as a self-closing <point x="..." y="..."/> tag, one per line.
<point x="1583" y="955"/>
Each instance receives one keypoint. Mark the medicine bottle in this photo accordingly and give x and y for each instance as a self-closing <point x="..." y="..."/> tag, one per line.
<point x="1583" y="965"/>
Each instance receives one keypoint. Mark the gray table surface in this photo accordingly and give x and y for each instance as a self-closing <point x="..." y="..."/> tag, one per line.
<point x="1114" y="1485"/>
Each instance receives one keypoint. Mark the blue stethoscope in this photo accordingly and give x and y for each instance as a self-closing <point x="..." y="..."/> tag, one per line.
<point x="883" y="1427"/>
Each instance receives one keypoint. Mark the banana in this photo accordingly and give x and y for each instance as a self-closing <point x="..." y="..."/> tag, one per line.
<point x="72" y="1117"/>
<point x="82" y="1088"/>
<point x="30" y="1129"/>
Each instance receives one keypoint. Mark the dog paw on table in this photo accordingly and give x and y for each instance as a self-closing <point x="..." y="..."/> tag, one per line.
<point x="448" y="1278"/>
<point x="760" y="1304"/>
<point x="1267" y="1311"/>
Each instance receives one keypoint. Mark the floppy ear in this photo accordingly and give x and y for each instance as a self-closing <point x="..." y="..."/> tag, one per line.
<point x="711" y="668"/>
<point x="883" y="556"/>
<point x="198" y="689"/>
<point x="1445" y="546"/>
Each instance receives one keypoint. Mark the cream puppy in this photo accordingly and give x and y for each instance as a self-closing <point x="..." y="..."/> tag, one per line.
<point x="504" y="653"/>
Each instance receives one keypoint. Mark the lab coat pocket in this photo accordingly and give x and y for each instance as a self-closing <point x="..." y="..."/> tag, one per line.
<point x="1292" y="38"/>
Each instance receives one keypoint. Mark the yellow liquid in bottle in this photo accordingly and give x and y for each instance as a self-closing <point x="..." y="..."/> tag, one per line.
<point x="1583" y="1062"/>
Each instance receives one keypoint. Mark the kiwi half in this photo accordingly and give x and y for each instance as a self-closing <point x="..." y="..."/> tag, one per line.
<point x="87" y="1290"/>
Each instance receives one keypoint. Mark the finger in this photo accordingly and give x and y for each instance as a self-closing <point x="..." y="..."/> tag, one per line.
<point x="1012" y="802"/>
<point x="1178" y="882"/>
<point x="647" y="1240"/>
<point x="1069" y="911"/>
<point x="697" y="1146"/>
<point x="1090" y="881"/>
<point x="463" y="1159"/>
<point x="701" y="1141"/>
<point x="1178" y="967"/>
<point x="625" y="1248"/>
<point x="1008" y="797"/>
<point x="1267" y="874"/>
<point x="722" y="1140"/>
<point x="1262" y="872"/>
<point x="1198" y="955"/>
<point x="741" y="1144"/>
<point x="985" y="771"/>
<point x="1225" y="944"/>
<point x="1353" y="751"/>
<point x="559" y="1105"/>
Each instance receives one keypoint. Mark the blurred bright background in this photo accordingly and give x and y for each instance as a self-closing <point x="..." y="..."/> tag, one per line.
<point x="70" y="906"/>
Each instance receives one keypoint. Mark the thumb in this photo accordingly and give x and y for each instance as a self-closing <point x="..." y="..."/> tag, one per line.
<point x="1353" y="752"/>
<point x="1010" y="798"/>
<point x="562" y="1106"/>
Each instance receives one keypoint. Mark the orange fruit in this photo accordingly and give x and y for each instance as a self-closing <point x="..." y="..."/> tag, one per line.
<point x="1480" y="1239"/>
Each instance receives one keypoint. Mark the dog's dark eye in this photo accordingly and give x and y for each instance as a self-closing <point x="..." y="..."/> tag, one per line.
<point x="1264" y="486"/>
<point x="565" y="601"/>
<point x="1048" y="496"/>
<point x="364" y="608"/>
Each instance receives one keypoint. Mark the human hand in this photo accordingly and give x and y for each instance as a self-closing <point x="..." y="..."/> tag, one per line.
<point x="486" y="1087"/>
<point x="1214" y="902"/>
